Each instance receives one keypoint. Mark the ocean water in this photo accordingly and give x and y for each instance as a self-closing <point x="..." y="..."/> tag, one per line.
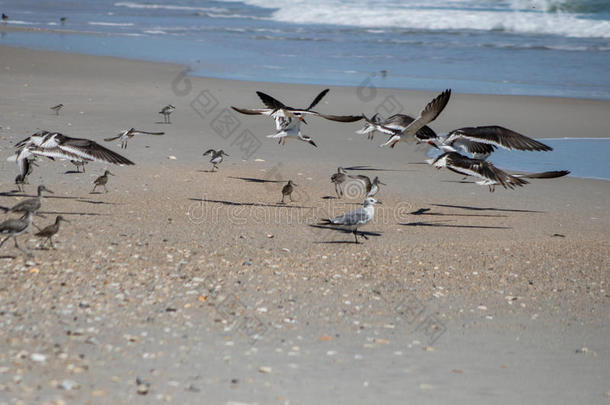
<point x="583" y="157"/>
<point x="528" y="47"/>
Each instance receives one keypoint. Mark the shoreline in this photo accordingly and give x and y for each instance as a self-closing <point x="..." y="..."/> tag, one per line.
<point x="180" y="285"/>
<point x="186" y="66"/>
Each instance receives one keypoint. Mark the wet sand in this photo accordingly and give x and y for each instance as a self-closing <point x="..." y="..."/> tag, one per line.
<point x="185" y="286"/>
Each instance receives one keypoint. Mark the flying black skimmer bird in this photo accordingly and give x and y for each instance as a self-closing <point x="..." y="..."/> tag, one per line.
<point x="166" y="111"/>
<point x="291" y="128"/>
<point x="287" y="191"/>
<point x="353" y="219"/>
<point x="408" y="130"/>
<point x="31" y="204"/>
<point x="396" y="122"/>
<point x="338" y="179"/>
<point x="50" y="230"/>
<point x="482" y="169"/>
<point x="217" y="157"/>
<point x="371" y="187"/>
<point x="128" y="134"/>
<point x="481" y="141"/>
<point x="55" y="145"/>
<point x="11" y="228"/>
<point x="282" y="113"/>
<point x="56" y="108"/>
<point x="101" y="181"/>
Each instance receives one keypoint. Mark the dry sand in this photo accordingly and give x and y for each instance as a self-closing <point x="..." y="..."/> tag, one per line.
<point x="188" y="287"/>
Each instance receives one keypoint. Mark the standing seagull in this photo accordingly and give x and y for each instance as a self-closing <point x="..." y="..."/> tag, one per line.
<point x="50" y="230"/>
<point x="130" y="133"/>
<point x="216" y="157"/>
<point x="56" y="108"/>
<point x="31" y="204"/>
<point x="166" y="111"/>
<point x="15" y="227"/>
<point x="287" y="191"/>
<point x="427" y="115"/>
<point x="339" y="178"/>
<point x="482" y="169"/>
<point x="353" y="219"/>
<point x="101" y="181"/>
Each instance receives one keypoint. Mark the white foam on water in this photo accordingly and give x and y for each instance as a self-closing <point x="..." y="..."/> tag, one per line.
<point x="110" y="24"/>
<point x="520" y="16"/>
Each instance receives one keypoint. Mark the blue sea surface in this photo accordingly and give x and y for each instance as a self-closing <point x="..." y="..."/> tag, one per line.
<point x="583" y="157"/>
<point x="527" y="47"/>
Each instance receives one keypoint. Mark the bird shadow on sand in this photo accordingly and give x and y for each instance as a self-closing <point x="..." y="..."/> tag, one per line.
<point x="443" y="224"/>
<point x="73" y="172"/>
<point x="426" y="211"/>
<point x="249" y="204"/>
<point x="257" y="180"/>
<point x="8" y="257"/>
<point x="98" y="202"/>
<point x="471" y="208"/>
<point x="375" y="169"/>
<point x="346" y="231"/>
<point x="93" y="214"/>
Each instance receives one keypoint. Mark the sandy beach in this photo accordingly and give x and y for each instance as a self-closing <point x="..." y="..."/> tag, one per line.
<point x="186" y="286"/>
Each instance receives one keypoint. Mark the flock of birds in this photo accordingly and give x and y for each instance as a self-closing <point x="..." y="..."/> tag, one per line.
<point x="464" y="151"/>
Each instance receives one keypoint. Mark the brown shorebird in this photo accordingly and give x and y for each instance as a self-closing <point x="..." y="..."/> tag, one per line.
<point x="11" y="228"/>
<point x="372" y="187"/>
<point x="216" y="157"/>
<point x="56" y="108"/>
<point x="50" y="230"/>
<point x="166" y="111"/>
<point x="31" y="204"/>
<point x="287" y="191"/>
<point x="339" y="178"/>
<point x="101" y="181"/>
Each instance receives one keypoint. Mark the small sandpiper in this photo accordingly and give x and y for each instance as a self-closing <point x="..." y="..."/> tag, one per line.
<point x="287" y="191"/>
<point x="216" y="157"/>
<point x="339" y="178"/>
<point x="166" y="111"/>
<point x="101" y="181"/>
<point x="130" y="133"/>
<point x="79" y="164"/>
<point x="31" y="204"/>
<point x="56" y="108"/>
<point x="12" y="228"/>
<point x="353" y="219"/>
<point x="49" y="231"/>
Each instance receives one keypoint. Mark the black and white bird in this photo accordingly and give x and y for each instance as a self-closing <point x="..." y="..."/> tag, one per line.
<point x="128" y="134"/>
<point x="290" y="128"/>
<point x="371" y="187"/>
<point x="356" y="218"/>
<point x="216" y="157"/>
<point x="396" y="122"/>
<point x="11" y="228"/>
<point x="481" y="141"/>
<point x="50" y="230"/>
<point x="57" y="107"/>
<point x="27" y="165"/>
<point x="285" y="116"/>
<point x="101" y="181"/>
<point x="287" y="191"/>
<point x="488" y="174"/>
<point x="403" y="130"/>
<point x="31" y="204"/>
<point x="166" y="111"/>
<point x="58" y="146"/>
<point x="338" y="179"/>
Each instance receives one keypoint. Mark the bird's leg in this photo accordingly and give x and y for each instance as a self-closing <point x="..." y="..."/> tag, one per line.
<point x="356" y="235"/>
<point x="364" y="236"/>
<point x="282" y="202"/>
<point x="291" y="200"/>
<point x="51" y="243"/>
<point x="5" y="239"/>
<point x="337" y="190"/>
<point x="105" y="189"/>
<point x="92" y="191"/>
